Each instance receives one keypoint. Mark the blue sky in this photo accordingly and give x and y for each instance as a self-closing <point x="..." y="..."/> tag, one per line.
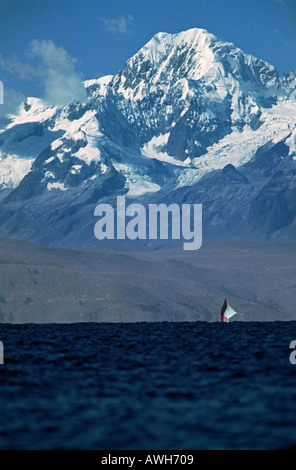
<point x="46" y="42"/>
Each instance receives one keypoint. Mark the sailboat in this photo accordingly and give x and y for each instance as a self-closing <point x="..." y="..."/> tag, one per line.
<point x="226" y="312"/>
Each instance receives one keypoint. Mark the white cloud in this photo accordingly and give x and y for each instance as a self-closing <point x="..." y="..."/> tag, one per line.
<point x="53" y="67"/>
<point x="21" y="69"/>
<point x="117" y="25"/>
<point x="61" y="81"/>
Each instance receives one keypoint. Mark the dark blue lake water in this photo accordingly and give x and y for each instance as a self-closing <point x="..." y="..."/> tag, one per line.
<point x="177" y="386"/>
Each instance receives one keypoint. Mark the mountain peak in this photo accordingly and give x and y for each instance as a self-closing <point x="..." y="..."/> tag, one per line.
<point x="163" y="43"/>
<point x="183" y="108"/>
<point x="191" y="59"/>
<point x="32" y="110"/>
<point x="189" y="36"/>
<point x="194" y="35"/>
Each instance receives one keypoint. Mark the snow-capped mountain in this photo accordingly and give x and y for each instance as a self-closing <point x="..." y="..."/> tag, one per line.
<point x="190" y="119"/>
